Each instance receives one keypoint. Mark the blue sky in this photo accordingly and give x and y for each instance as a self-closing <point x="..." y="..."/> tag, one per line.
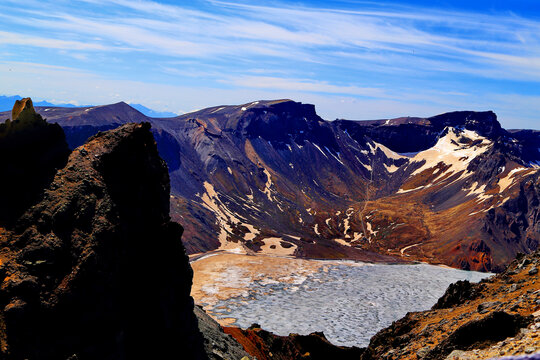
<point x="352" y="59"/>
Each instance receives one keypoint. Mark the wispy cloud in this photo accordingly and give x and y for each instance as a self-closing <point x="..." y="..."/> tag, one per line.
<point x="247" y="30"/>
<point x="402" y="54"/>
<point x="288" y="84"/>
<point x="42" y="42"/>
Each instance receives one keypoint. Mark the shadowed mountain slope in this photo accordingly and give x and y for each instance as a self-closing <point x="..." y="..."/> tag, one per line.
<point x="243" y="176"/>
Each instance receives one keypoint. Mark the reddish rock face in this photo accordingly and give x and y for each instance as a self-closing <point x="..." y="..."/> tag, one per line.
<point x="96" y="269"/>
<point x="266" y="346"/>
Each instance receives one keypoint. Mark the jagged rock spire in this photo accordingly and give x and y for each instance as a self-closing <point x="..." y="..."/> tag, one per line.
<point x="22" y="109"/>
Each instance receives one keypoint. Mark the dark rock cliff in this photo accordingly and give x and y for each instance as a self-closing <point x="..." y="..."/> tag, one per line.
<point x="416" y="134"/>
<point x="96" y="270"/>
<point x="516" y="224"/>
<point x="31" y="150"/>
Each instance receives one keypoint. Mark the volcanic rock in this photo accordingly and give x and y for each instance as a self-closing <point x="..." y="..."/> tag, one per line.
<point x="267" y="346"/>
<point x="31" y="150"/>
<point x="217" y="344"/>
<point x="96" y="269"/>
<point x="457" y="293"/>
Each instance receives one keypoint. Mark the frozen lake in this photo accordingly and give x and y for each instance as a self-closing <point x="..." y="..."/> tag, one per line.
<point x="349" y="302"/>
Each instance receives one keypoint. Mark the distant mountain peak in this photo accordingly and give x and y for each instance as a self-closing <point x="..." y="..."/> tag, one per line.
<point x="151" y="112"/>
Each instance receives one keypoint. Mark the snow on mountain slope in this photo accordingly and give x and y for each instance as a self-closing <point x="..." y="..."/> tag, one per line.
<point x="456" y="149"/>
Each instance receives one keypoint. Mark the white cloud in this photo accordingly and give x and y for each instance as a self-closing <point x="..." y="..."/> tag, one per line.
<point x="36" y="41"/>
<point x="304" y="85"/>
<point x="377" y="59"/>
<point x="504" y="42"/>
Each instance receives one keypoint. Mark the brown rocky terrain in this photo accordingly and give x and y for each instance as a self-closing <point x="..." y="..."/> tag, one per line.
<point x="497" y="317"/>
<point x="217" y="344"/>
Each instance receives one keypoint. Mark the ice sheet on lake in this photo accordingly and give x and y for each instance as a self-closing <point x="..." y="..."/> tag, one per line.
<point x="348" y="303"/>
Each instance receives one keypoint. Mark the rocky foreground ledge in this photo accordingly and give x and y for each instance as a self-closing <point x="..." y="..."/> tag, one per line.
<point x="497" y="317"/>
<point x="93" y="268"/>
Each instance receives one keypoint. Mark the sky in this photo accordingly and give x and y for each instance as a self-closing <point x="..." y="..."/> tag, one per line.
<point x="352" y="59"/>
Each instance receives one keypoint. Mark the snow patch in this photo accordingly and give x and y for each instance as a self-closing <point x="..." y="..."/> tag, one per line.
<point x="250" y="195"/>
<point x="449" y="151"/>
<point x="272" y="246"/>
<point x="479" y="191"/>
<point x="508" y="180"/>
<point x="401" y="191"/>
<point x="218" y="109"/>
<point x="346" y="221"/>
<point x="392" y="168"/>
<point x="334" y="156"/>
<point x="252" y="232"/>
<point x="371" y="232"/>
<point x="224" y="217"/>
<point x="267" y="187"/>
<point x="343" y="242"/>
<point x="402" y="251"/>
<point x="322" y="152"/>
<point x="389" y="153"/>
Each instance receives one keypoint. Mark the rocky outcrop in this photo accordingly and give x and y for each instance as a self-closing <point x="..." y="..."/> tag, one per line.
<point x="31" y="150"/>
<point x="516" y="224"/>
<point x="96" y="269"/>
<point x="267" y="346"/>
<point x="409" y="134"/>
<point x="217" y="344"/>
<point x="457" y="294"/>
<point x="477" y="333"/>
<point x="498" y="316"/>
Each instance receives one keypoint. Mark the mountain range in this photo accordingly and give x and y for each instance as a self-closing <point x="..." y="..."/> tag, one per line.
<point x="93" y="267"/>
<point x="6" y="103"/>
<point x="273" y="176"/>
